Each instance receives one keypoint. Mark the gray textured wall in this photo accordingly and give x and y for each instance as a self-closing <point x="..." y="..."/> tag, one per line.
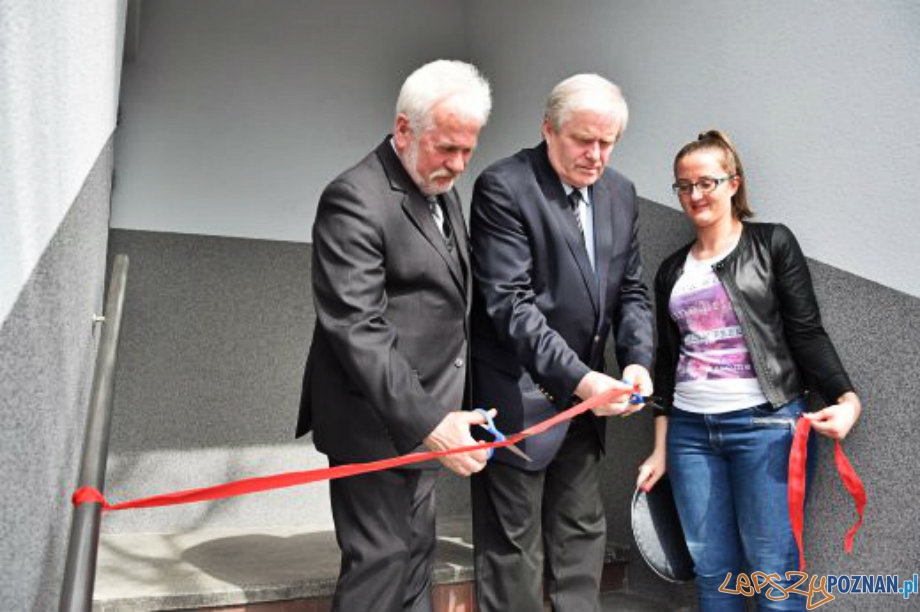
<point x="877" y="332"/>
<point x="60" y="64"/>
<point x="48" y="348"/>
<point x="215" y="336"/>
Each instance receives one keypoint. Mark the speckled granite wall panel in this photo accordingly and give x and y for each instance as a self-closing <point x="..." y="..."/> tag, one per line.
<point x="216" y="332"/>
<point x="214" y="340"/>
<point x="47" y="352"/>
<point x="877" y="332"/>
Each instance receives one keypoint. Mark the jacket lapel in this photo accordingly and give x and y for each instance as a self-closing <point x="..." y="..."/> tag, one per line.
<point x="603" y="237"/>
<point x="458" y="225"/>
<point x="559" y="208"/>
<point x="416" y="208"/>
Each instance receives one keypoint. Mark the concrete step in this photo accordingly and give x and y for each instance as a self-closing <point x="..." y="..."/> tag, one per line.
<point x="630" y="602"/>
<point x="610" y="602"/>
<point x="266" y="570"/>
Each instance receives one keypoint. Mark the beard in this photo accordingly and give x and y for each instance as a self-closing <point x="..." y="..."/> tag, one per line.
<point x="428" y="185"/>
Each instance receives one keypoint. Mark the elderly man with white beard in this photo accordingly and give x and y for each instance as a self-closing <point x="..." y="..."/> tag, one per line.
<point x="387" y="372"/>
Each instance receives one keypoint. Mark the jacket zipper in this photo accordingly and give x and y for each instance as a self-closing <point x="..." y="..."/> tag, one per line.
<point x="766" y="383"/>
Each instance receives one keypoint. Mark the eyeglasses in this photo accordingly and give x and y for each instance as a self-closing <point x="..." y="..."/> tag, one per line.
<point x="707" y="184"/>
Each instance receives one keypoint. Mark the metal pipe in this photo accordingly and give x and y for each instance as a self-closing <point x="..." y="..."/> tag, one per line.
<point x="80" y="570"/>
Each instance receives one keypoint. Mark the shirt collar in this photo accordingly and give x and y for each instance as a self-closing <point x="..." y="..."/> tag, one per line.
<point x="585" y="191"/>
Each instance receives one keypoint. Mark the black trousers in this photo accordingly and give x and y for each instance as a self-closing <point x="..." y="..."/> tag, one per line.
<point x="549" y="524"/>
<point x="385" y="528"/>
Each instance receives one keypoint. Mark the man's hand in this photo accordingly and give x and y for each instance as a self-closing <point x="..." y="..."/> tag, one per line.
<point x="635" y="374"/>
<point x="596" y="383"/>
<point x="454" y="432"/>
<point x="836" y="421"/>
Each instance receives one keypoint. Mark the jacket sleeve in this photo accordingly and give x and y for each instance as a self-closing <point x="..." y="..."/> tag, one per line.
<point x="502" y="263"/>
<point x="632" y="317"/>
<point x="666" y="354"/>
<point x="810" y="345"/>
<point x="349" y="291"/>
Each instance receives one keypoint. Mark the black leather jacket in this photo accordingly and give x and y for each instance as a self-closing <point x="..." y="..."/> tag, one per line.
<point x="769" y="285"/>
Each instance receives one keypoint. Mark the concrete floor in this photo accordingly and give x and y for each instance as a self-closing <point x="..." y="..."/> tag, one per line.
<point x="143" y="572"/>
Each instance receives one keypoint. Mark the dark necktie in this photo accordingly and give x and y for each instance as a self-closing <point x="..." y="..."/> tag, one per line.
<point x="437" y="213"/>
<point x="574" y="202"/>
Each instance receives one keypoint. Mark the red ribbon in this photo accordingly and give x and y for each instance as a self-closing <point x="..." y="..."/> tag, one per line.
<point x="85" y="495"/>
<point x="851" y="481"/>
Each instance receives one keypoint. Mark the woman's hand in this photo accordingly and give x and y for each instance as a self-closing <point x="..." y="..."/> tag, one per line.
<point x="651" y="470"/>
<point x="836" y="421"/>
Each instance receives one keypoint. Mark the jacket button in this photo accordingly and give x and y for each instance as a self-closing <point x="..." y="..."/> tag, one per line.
<point x="597" y="339"/>
<point x="458" y="363"/>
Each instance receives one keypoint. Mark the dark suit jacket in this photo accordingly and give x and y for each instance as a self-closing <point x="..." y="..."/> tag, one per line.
<point x="390" y="348"/>
<point x="541" y="316"/>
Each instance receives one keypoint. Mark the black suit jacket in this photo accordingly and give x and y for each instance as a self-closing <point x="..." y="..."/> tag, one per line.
<point x="389" y="353"/>
<point x="541" y="315"/>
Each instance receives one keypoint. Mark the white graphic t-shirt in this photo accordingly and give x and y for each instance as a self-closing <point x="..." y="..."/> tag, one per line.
<point x="714" y="371"/>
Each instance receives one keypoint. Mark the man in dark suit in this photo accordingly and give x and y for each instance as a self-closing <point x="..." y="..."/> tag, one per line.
<point x="387" y="371"/>
<point x="557" y="269"/>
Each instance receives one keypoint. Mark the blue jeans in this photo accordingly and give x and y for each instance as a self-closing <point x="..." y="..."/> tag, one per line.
<point x="729" y="473"/>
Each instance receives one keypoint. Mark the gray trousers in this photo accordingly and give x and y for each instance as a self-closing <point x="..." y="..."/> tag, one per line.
<point x="385" y="528"/>
<point x="541" y="530"/>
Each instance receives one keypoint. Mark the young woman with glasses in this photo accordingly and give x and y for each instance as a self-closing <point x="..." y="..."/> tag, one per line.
<point x="740" y="340"/>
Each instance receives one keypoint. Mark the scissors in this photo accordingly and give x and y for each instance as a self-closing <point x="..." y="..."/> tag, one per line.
<point x="636" y="398"/>
<point x="499" y="436"/>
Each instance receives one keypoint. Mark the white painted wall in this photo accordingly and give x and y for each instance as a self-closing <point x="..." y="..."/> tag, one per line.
<point x="819" y="97"/>
<point x="60" y="64"/>
<point x="238" y="112"/>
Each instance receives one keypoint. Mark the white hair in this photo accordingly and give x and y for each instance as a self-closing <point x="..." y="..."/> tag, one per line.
<point x="457" y="83"/>
<point x="586" y="92"/>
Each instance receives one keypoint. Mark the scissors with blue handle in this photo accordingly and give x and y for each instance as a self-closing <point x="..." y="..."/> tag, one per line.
<point x="499" y="436"/>
<point x="636" y="398"/>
